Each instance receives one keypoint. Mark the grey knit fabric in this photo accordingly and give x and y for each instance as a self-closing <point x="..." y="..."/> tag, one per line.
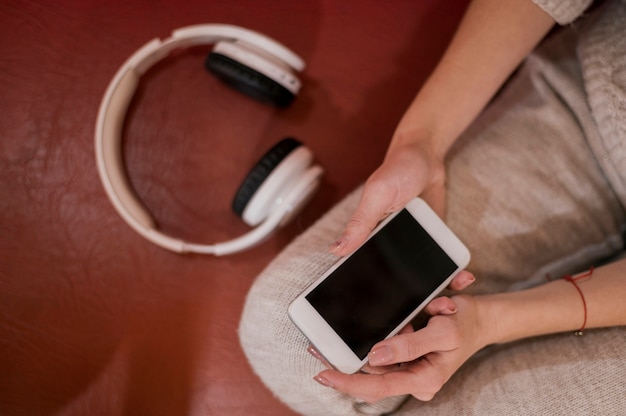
<point x="563" y="11"/>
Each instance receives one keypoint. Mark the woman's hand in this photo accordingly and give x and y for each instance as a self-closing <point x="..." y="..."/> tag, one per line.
<point x="418" y="363"/>
<point x="408" y="171"/>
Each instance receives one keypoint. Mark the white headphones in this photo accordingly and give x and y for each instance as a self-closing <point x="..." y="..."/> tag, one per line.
<point x="279" y="185"/>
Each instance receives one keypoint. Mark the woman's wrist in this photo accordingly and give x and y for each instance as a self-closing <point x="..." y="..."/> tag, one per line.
<point x="430" y="122"/>
<point x="491" y="328"/>
<point x="550" y="308"/>
<point x="485" y="325"/>
<point x="556" y="306"/>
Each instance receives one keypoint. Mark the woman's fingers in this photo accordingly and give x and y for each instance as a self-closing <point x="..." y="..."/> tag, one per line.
<point x="416" y="363"/>
<point x="408" y="329"/>
<point x="315" y="353"/>
<point x="441" y="306"/>
<point x="420" y="379"/>
<point x="441" y="334"/>
<point x="422" y="371"/>
<point x="404" y="174"/>
<point x="372" y="208"/>
<point x="402" y="348"/>
<point x="462" y="280"/>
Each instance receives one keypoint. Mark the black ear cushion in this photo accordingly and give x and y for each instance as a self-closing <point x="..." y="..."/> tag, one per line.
<point x="261" y="171"/>
<point x="247" y="80"/>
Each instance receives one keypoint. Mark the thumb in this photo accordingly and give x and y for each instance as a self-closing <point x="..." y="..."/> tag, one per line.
<point x="372" y="208"/>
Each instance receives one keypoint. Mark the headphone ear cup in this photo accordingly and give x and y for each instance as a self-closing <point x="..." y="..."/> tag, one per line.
<point x="247" y="80"/>
<point x="251" y="202"/>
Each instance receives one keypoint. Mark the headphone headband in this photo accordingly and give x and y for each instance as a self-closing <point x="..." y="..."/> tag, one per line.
<point x="110" y="121"/>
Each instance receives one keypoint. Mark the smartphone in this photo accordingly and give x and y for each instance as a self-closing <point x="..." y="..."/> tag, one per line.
<point x="370" y="295"/>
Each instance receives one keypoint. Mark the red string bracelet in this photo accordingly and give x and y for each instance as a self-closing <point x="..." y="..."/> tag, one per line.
<point x="573" y="280"/>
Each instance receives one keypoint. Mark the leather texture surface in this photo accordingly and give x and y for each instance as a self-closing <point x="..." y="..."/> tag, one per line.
<point x="94" y="319"/>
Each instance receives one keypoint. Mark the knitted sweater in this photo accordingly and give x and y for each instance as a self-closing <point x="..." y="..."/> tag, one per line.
<point x="601" y="54"/>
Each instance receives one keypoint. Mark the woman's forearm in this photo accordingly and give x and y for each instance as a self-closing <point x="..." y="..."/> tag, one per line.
<point x="491" y="41"/>
<point x="557" y="306"/>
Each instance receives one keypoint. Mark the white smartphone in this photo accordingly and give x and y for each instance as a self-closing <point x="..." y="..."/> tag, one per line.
<point x="370" y="295"/>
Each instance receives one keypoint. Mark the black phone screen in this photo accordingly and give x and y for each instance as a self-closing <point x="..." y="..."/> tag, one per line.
<point x="376" y="288"/>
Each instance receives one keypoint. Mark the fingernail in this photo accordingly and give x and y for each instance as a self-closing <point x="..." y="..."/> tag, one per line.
<point x="338" y="245"/>
<point x="380" y="356"/>
<point x="315" y="353"/>
<point x="323" y="381"/>
<point x="449" y="311"/>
